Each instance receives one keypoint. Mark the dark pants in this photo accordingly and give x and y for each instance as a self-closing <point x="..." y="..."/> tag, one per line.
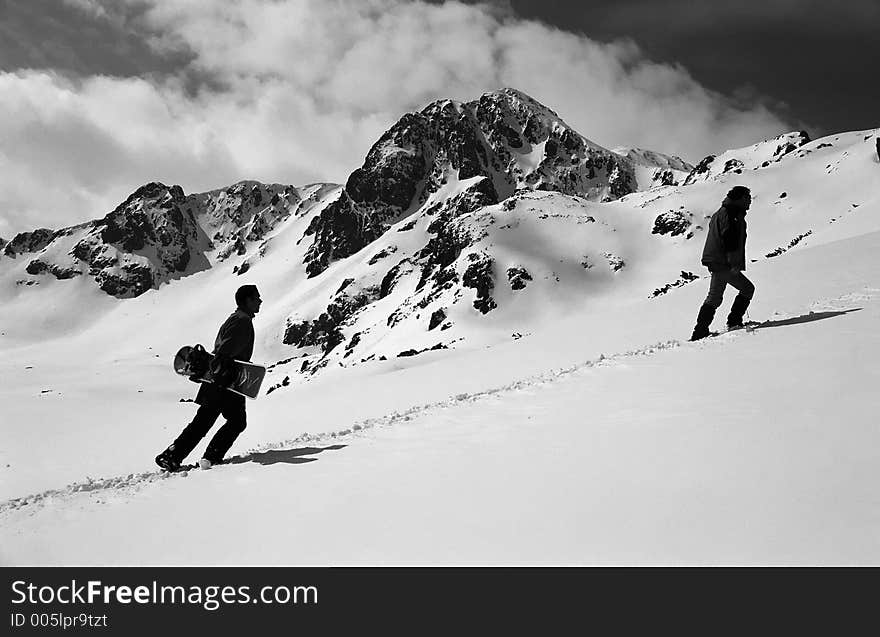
<point x="231" y="406"/>
<point x="720" y="280"/>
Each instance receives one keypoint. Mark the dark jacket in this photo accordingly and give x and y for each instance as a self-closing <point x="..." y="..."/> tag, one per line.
<point x="235" y="339"/>
<point x="726" y="239"/>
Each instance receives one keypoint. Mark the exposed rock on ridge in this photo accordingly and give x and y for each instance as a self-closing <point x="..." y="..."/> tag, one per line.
<point x="505" y="136"/>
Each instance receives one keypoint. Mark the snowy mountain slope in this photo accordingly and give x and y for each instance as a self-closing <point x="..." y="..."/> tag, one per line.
<point x="759" y="155"/>
<point x="471" y="272"/>
<point x="781" y="477"/>
<point x="423" y="164"/>
<point x="616" y="457"/>
<point x="656" y="169"/>
<point x="461" y="271"/>
<point x="482" y="278"/>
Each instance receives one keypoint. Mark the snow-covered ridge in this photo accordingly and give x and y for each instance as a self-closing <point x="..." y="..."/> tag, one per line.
<point x="656" y="169"/>
<point x="158" y="234"/>
<point x="754" y="157"/>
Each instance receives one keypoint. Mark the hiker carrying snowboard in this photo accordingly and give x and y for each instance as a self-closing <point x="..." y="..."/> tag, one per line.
<point x="235" y="340"/>
<point x="725" y="256"/>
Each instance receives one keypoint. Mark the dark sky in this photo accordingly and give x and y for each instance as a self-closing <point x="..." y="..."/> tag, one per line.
<point x="814" y="61"/>
<point x="93" y="95"/>
<point x="811" y="61"/>
<point x="51" y="34"/>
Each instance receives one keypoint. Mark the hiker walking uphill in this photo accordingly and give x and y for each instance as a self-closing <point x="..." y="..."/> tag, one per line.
<point x="235" y="340"/>
<point x="725" y="256"/>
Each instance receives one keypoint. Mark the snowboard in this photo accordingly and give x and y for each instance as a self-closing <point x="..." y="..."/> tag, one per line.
<point x="195" y="362"/>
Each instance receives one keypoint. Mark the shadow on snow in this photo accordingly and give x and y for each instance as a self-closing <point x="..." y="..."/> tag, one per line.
<point x="285" y="456"/>
<point x="805" y="318"/>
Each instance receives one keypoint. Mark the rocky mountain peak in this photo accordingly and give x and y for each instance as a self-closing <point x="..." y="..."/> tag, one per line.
<point x="241" y="213"/>
<point x="148" y="238"/>
<point x="30" y="241"/>
<point x="159" y="233"/>
<point x="505" y="136"/>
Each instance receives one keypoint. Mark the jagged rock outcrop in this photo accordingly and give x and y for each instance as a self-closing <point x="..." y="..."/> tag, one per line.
<point x="518" y="277"/>
<point x="39" y="267"/>
<point x="756" y="156"/>
<point x="614" y="262"/>
<point x="325" y="332"/>
<point x="25" y="242"/>
<point x="340" y="230"/>
<point x="242" y="213"/>
<point x="790" y="142"/>
<point x="148" y="239"/>
<point x="664" y="178"/>
<point x="683" y="279"/>
<point x="702" y="168"/>
<point x="672" y="223"/>
<point x="480" y="277"/>
<point x="505" y="137"/>
<point x="437" y="318"/>
<point x="158" y="234"/>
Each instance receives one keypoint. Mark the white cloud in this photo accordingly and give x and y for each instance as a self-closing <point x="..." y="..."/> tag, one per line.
<point x="309" y="85"/>
<point x="90" y="7"/>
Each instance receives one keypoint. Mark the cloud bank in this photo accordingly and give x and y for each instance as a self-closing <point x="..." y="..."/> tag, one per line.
<point x="296" y="91"/>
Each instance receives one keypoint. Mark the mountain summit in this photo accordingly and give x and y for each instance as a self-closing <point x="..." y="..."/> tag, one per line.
<point x="499" y="144"/>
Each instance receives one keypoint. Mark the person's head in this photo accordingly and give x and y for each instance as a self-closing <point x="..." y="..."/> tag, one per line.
<point x="247" y="297"/>
<point x="740" y="196"/>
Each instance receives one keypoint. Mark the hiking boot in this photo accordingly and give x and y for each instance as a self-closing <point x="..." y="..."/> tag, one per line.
<point x="167" y="461"/>
<point x="704" y="320"/>
<point x="749" y="326"/>
<point x="737" y="310"/>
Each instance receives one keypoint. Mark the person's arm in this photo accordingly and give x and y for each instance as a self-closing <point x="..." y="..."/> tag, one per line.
<point x="729" y="238"/>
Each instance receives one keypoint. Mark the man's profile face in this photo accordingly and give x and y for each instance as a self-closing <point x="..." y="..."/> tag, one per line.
<point x="252" y="304"/>
<point x="747" y="200"/>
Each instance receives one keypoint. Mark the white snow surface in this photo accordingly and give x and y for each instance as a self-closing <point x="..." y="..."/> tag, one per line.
<point x="574" y="424"/>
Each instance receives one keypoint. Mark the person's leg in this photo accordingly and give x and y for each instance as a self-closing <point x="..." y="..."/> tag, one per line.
<point x="742" y="300"/>
<point x="233" y="409"/>
<point x="204" y="419"/>
<point x="712" y="303"/>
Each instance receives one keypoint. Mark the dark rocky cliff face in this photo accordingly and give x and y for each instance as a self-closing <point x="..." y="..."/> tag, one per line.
<point x="505" y="137"/>
<point x="340" y="230"/>
<point x="242" y="213"/>
<point x="25" y="242"/>
<point x="157" y="234"/>
<point x="146" y="240"/>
